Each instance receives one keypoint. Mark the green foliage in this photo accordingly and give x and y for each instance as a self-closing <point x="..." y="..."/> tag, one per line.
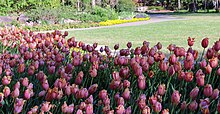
<point x="105" y="13"/>
<point x="125" y="5"/>
<point x="156" y="8"/>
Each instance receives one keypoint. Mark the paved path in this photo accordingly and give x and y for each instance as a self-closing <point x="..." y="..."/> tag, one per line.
<point x="154" y="18"/>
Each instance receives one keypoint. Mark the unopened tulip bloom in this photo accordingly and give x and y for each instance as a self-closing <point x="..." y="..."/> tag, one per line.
<point x="175" y="99"/>
<point x="103" y="94"/>
<point x="126" y="94"/>
<point x="183" y="105"/>
<point x="6" y="91"/>
<point x="120" y="101"/>
<point x="15" y="93"/>
<point x="190" y="41"/>
<point x="205" y="42"/>
<point x="188" y="76"/>
<point x="200" y="80"/>
<point x="208" y="90"/>
<point x="128" y="110"/>
<point x="126" y="84"/>
<point x="46" y="106"/>
<point x="194" y="93"/>
<point x="120" y="109"/>
<point x="92" y="89"/>
<point x="215" y="94"/>
<point x="171" y="70"/>
<point x="204" y="105"/>
<point x="161" y="89"/>
<point x="6" y="80"/>
<point x="18" y="105"/>
<point x="172" y="59"/>
<point x="89" y="100"/>
<point x="25" y="82"/>
<point x="1" y="98"/>
<point x="203" y="63"/>
<point x="213" y="62"/>
<point x="163" y="66"/>
<point x="218" y="72"/>
<point x="33" y="110"/>
<point x="146" y="110"/>
<point x="157" y="107"/>
<point x="89" y="109"/>
<point x="142" y="82"/>
<point x="165" y="111"/>
<point x="208" y="69"/>
<point x="79" y="78"/>
<point x="142" y="101"/>
<point x="193" y="105"/>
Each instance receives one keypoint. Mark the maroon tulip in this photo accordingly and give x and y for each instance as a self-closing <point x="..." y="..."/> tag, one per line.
<point x="126" y="84"/>
<point x="103" y="94"/>
<point x="218" y="107"/>
<point x="171" y="70"/>
<point x="142" y="101"/>
<point x="215" y="94"/>
<point x="193" y="105"/>
<point x="190" y="41"/>
<point x="208" y="90"/>
<point x="129" y="44"/>
<point x="175" y="99"/>
<point x="217" y="46"/>
<point x="210" y="53"/>
<point x="171" y="47"/>
<point x="92" y="89"/>
<point x="205" y="42"/>
<point x="159" y="46"/>
<point x="194" y="93"/>
<point x="172" y="59"/>
<point x="79" y="78"/>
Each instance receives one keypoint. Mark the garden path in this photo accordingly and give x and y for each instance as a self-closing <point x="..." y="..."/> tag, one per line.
<point x="154" y="18"/>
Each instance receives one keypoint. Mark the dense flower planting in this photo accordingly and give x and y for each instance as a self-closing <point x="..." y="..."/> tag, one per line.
<point x="43" y="73"/>
<point x="118" y="21"/>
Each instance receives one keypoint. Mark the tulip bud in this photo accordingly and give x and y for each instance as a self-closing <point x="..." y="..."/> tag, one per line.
<point x="191" y="41"/>
<point x="213" y="62"/>
<point x="92" y="89"/>
<point x="172" y="59"/>
<point x="208" y="69"/>
<point x="146" y="110"/>
<point x="188" y="76"/>
<point x="171" y="70"/>
<point x="157" y="107"/>
<point x="142" y="82"/>
<point x="120" y="109"/>
<point x="165" y="111"/>
<point x="203" y="63"/>
<point x="79" y="78"/>
<point x="194" y="93"/>
<point x="161" y="89"/>
<point x="103" y="94"/>
<point x="25" y="81"/>
<point x="6" y="91"/>
<point x="183" y="105"/>
<point x="215" y="94"/>
<point x="193" y="105"/>
<point x="205" y="42"/>
<point x="89" y="109"/>
<point x="208" y="90"/>
<point x="126" y="94"/>
<point x="163" y="66"/>
<point x="6" y="80"/>
<point x="175" y="99"/>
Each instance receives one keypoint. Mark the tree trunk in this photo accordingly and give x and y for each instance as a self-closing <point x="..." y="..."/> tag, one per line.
<point x="216" y="6"/>
<point x="93" y="4"/>
<point x="179" y="4"/>
<point x="78" y="5"/>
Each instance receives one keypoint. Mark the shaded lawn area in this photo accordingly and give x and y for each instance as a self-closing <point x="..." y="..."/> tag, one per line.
<point x="175" y="32"/>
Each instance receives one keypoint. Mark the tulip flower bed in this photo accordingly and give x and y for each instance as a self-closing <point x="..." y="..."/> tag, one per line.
<point x="44" y="73"/>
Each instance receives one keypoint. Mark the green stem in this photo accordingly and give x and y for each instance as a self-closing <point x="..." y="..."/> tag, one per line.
<point x="168" y="84"/>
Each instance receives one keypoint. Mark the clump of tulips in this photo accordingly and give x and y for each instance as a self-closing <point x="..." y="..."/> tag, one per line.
<point x="48" y="73"/>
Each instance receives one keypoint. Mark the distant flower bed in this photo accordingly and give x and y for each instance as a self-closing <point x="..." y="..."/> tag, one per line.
<point x="114" y="22"/>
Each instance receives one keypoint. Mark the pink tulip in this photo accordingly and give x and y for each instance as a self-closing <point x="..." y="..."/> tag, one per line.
<point x="203" y="63"/>
<point x="1" y="98"/>
<point x="103" y="94"/>
<point x="208" y="90"/>
<point x="142" y="82"/>
<point x="208" y="69"/>
<point x="193" y="105"/>
<point x="89" y="109"/>
<point x="171" y="70"/>
<point x="146" y="110"/>
<point x="204" y="105"/>
<point x="18" y="105"/>
<point x="93" y="88"/>
<point x="142" y="101"/>
<point x="6" y="80"/>
<point x="165" y="111"/>
<point x="46" y="106"/>
<point x="79" y="78"/>
<point x="188" y="76"/>
<point x="172" y="59"/>
<point x="6" y="91"/>
<point x="126" y="94"/>
<point x="157" y="107"/>
<point x="79" y="111"/>
<point x="126" y="84"/>
<point x="183" y="105"/>
<point x="89" y="100"/>
<point x="42" y="93"/>
<point x="175" y="99"/>
<point x="15" y="93"/>
<point x="120" y="101"/>
<point x="218" y="106"/>
<point x="161" y="89"/>
<point x="25" y="82"/>
<point x="194" y="93"/>
<point x="128" y="110"/>
<point x="33" y="110"/>
<point x="163" y="66"/>
<point x="215" y="94"/>
<point x="120" y="109"/>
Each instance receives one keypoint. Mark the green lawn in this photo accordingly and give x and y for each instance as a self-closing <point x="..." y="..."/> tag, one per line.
<point x="176" y="32"/>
